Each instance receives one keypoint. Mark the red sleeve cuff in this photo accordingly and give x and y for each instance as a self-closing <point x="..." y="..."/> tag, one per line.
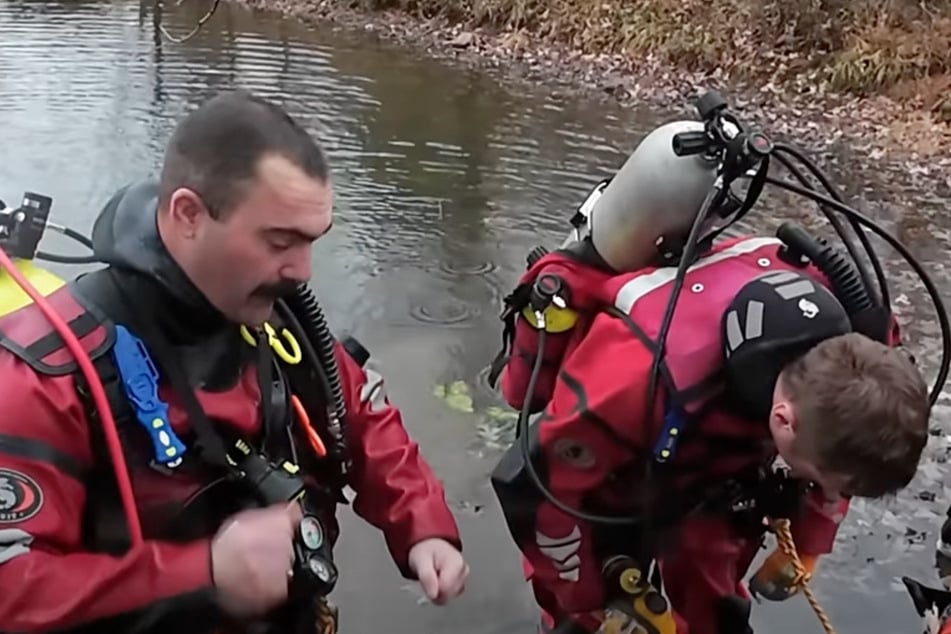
<point x="182" y="568"/>
<point x="815" y="530"/>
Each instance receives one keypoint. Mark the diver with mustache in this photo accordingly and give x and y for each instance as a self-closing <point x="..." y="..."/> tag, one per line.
<point x="241" y="418"/>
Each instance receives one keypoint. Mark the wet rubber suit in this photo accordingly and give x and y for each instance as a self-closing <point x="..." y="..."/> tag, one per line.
<point x="715" y="486"/>
<point x="65" y="559"/>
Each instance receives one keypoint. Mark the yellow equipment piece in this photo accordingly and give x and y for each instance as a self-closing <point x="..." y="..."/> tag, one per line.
<point x="640" y="609"/>
<point x="12" y="297"/>
<point x="556" y="319"/>
<point x="290" y="357"/>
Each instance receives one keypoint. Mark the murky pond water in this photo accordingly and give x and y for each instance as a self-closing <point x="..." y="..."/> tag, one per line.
<point x="445" y="179"/>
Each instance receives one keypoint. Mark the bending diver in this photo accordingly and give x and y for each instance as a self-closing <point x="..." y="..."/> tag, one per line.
<point x="775" y="350"/>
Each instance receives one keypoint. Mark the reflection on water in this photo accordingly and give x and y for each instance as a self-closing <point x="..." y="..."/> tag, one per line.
<point x="444" y="181"/>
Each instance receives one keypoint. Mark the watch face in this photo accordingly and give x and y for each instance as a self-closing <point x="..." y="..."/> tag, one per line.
<point x="311" y="533"/>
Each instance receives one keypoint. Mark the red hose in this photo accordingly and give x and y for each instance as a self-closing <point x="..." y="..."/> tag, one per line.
<point x="98" y="395"/>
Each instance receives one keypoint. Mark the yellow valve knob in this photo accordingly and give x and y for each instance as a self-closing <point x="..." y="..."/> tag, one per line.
<point x="630" y="579"/>
<point x="557" y="319"/>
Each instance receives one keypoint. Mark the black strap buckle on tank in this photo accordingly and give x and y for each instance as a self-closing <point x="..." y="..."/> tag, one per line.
<point x="514" y="303"/>
<point x="104" y="527"/>
<point x="519" y="298"/>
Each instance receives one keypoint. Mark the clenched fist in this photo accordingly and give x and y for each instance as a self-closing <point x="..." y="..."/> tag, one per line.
<point x="440" y="568"/>
<point x="252" y="558"/>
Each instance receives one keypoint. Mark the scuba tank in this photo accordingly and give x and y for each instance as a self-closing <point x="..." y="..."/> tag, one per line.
<point x="20" y="233"/>
<point x="615" y="230"/>
<point x="12" y="297"/>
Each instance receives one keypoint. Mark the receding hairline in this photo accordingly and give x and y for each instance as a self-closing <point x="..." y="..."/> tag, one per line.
<point x="217" y="149"/>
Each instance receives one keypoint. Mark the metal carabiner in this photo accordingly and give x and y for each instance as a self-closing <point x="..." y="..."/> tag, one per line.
<point x="292" y="357"/>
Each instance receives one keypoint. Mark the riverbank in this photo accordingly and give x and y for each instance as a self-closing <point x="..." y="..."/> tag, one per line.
<point x="878" y="126"/>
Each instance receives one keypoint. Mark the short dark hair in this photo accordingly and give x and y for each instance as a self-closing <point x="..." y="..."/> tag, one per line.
<point x="862" y="410"/>
<point x="215" y="150"/>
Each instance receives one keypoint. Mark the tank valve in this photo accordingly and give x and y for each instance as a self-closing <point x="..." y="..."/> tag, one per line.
<point x="546" y="291"/>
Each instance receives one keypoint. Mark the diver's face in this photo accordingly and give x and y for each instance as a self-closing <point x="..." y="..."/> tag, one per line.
<point x="261" y="249"/>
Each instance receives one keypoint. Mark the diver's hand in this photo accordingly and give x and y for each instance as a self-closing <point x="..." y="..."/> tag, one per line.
<point x="252" y="557"/>
<point x="440" y="568"/>
<point x="776" y="578"/>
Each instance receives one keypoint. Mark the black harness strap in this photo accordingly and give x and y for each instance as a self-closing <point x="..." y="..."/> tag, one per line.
<point x="39" y="451"/>
<point x="104" y="525"/>
<point x="208" y="443"/>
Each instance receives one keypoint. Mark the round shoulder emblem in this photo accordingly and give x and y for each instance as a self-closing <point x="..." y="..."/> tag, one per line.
<point x="20" y="497"/>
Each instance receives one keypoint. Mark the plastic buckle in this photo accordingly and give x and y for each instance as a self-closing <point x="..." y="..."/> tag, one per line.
<point x="140" y="381"/>
<point x="666" y="443"/>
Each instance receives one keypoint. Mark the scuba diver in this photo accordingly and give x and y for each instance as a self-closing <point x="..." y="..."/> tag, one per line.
<point x="695" y="394"/>
<point x="172" y="459"/>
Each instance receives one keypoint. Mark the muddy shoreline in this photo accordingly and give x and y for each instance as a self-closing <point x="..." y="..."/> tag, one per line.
<point x="869" y="133"/>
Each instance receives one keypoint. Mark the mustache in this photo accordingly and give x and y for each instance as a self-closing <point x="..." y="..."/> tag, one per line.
<point x="277" y="290"/>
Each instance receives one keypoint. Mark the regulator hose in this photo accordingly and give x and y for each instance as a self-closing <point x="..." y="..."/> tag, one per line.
<point x="68" y="259"/>
<point x="847" y="285"/>
<point x="833" y="219"/>
<point x="303" y="303"/>
<point x="930" y="288"/>
<point x="856" y="226"/>
<point x="844" y="277"/>
<point x="535" y="255"/>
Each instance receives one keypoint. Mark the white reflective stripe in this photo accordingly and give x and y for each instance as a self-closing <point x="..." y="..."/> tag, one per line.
<point x="754" y="319"/>
<point x="753" y="328"/>
<point x="733" y="335"/>
<point x="563" y="553"/>
<point x="795" y="289"/>
<point x="545" y="541"/>
<point x="644" y="284"/>
<point x="13" y="543"/>
<point x="372" y="391"/>
<point x="780" y="277"/>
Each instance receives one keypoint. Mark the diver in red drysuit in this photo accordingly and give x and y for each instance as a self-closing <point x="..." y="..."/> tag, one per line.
<point x="589" y="432"/>
<point x="65" y="561"/>
<point x="591" y="388"/>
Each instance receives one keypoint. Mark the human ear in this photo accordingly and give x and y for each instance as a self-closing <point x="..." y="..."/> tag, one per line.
<point x="185" y="210"/>
<point x="782" y="419"/>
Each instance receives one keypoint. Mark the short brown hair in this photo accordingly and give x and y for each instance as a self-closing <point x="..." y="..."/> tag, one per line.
<point x="216" y="148"/>
<point x="862" y="411"/>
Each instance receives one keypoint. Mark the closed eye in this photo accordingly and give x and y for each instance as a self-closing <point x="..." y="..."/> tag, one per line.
<point x="281" y="238"/>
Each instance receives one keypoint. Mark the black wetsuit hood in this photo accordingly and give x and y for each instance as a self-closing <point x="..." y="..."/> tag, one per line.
<point x="125" y="237"/>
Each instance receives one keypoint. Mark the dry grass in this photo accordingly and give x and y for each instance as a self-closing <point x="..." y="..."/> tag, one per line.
<point x="855" y="46"/>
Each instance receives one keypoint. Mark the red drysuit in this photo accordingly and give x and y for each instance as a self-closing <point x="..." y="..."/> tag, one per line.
<point x="593" y="427"/>
<point x="50" y="577"/>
